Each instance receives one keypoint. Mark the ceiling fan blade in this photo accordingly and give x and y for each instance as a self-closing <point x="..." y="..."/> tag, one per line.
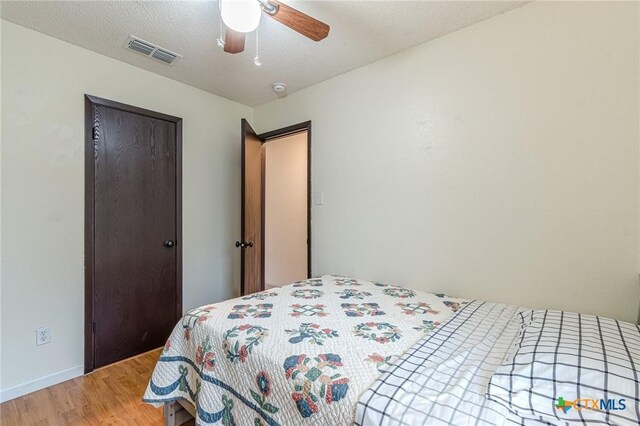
<point x="298" y="21"/>
<point x="233" y="41"/>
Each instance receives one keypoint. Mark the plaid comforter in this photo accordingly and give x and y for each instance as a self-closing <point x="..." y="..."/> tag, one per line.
<point x="442" y="379"/>
<point x="495" y="364"/>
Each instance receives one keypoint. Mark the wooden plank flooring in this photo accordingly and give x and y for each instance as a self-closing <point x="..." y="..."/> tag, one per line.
<point x="109" y="396"/>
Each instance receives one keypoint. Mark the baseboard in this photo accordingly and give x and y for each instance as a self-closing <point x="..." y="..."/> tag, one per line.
<point x="41" y="383"/>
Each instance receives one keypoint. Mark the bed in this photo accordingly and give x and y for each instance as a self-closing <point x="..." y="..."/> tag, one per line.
<point x="496" y="364"/>
<point x="340" y="351"/>
<point x="302" y="353"/>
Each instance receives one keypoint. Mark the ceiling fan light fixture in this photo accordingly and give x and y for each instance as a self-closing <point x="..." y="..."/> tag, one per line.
<point x="241" y="15"/>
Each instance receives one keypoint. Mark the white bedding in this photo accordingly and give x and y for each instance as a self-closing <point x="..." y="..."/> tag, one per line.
<point x="442" y="380"/>
<point x="493" y="364"/>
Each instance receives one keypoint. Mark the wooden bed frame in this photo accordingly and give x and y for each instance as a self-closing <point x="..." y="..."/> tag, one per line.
<point x="178" y="412"/>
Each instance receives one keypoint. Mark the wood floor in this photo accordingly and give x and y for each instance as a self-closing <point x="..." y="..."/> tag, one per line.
<point x="109" y="396"/>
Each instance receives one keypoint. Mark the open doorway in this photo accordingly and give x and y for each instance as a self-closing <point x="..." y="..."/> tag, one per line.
<point x="276" y="207"/>
<point x="285" y="212"/>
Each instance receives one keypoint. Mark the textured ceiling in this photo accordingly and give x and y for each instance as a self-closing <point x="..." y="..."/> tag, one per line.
<point x="361" y="32"/>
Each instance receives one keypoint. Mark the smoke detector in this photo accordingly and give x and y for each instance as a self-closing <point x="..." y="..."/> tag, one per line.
<point x="151" y="50"/>
<point x="279" y="87"/>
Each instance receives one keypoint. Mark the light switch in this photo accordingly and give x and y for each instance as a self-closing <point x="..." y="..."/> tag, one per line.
<point x="318" y="198"/>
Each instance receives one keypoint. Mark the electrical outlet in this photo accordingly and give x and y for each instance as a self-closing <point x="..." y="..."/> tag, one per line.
<point x="318" y="198"/>
<point x="43" y="336"/>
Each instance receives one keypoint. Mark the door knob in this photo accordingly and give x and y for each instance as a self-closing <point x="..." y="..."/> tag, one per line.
<point x="169" y="243"/>
<point x="244" y="244"/>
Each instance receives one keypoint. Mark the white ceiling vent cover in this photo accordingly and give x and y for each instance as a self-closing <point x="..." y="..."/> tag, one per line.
<point x="151" y="50"/>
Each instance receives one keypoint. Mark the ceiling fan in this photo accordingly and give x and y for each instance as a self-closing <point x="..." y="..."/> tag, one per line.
<point x="243" y="16"/>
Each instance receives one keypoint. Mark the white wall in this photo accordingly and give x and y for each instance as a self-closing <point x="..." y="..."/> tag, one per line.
<point x="43" y="84"/>
<point x="286" y="210"/>
<point x="500" y="162"/>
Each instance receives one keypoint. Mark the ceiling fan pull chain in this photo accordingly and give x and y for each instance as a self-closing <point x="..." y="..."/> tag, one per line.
<point x="220" y="39"/>
<point x="256" y="59"/>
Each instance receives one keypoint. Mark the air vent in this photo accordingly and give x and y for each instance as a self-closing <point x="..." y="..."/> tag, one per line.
<point x="164" y="56"/>
<point x="141" y="46"/>
<point x="151" y="50"/>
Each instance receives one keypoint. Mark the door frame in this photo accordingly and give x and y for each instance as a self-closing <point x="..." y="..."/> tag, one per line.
<point x="90" y="102"/>
<point x="264" y="138"/>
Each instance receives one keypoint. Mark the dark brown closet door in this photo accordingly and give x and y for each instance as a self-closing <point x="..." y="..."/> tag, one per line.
<point x="136" y="285"/>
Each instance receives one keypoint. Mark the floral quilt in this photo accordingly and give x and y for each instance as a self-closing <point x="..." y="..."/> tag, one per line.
<point x="301" y="354"/>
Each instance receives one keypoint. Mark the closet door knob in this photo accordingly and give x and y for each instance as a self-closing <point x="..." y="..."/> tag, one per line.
<point x="169" y="243"/>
